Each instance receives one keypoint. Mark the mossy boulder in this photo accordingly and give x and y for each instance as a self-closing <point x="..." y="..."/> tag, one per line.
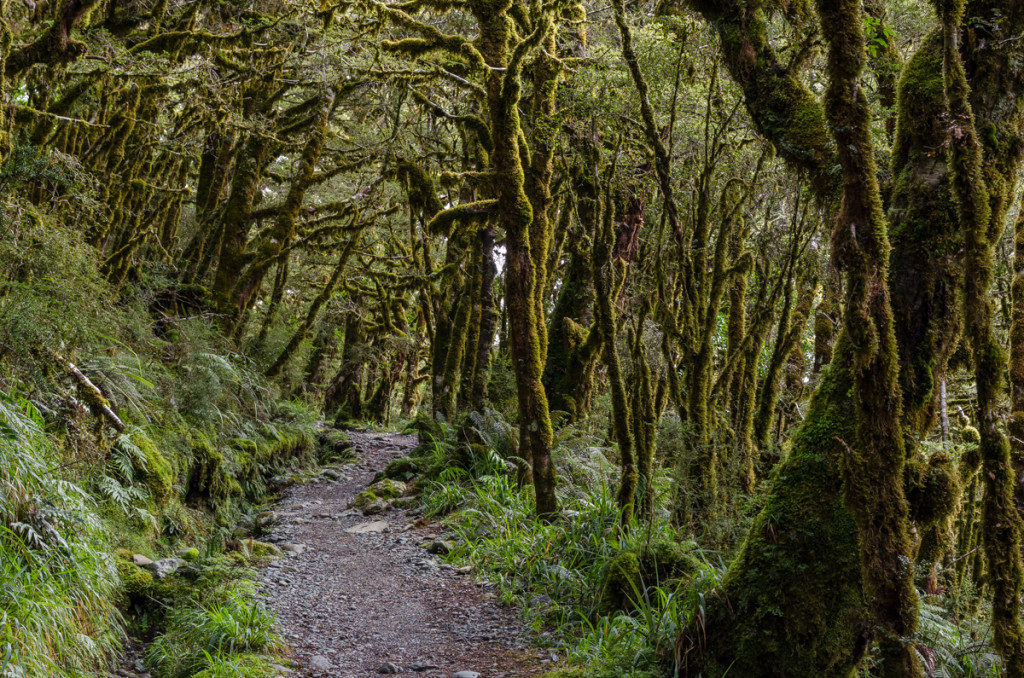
<point x="190" y="555"/>
<point x="334" y="446"/>
<point x="630" y="572"/>
<point x="368" y="502"/>
<point x="261" y="549"/>
<point x="135" y="581"/>
<point x="211" y="480"/>
<point x="426" y="428"/>
<point x="621" y="584"/>
<point x="388" y="488"/>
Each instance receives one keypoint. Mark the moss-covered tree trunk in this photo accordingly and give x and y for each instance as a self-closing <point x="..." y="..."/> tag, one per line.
<point x="344" y="398"/>
<point x="604" y="274"/>
<point x="5" y="49"/>
<point x="524" y="266"/>
<point x="313" y="312"/>
<point x="875" y="457"/>
<point x="236" y="223"/>
<point x="485" y="336"/>
<point x="572" y="348"/>
<point x="787" y="339"/>
<point x="1016" y="424"/>
<point x="283" y="231"/>
<point x="1001" y="522"/>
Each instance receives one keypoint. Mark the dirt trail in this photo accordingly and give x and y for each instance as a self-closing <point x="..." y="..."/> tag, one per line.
<point x="362" y="604"/>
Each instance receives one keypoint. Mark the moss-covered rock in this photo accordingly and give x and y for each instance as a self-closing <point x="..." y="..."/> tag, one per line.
<point x="135" y="581"/>
<point x="211" y="480"/>
<point x="388" y="488"/>
<point x="261" y="549"/>
<point x="155" y="470"/>
<point x="334" y="446"/>
<point x="363" y="500"/>
<point x="630" y="573"/>
<point x="190" y="555"/>
<point x="621" y="584"/>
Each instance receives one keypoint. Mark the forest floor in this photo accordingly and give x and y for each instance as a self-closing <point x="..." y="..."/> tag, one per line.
<point x="359" y="595"/>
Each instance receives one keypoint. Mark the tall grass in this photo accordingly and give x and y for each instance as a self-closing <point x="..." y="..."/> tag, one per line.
<point x="57" y="617"/>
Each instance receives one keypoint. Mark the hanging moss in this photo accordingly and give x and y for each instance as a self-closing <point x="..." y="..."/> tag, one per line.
<point x="210" y="480"/>
<point x="156" y="471"/>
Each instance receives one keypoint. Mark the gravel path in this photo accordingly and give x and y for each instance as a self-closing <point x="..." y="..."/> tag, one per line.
<point x="362" y="604"/>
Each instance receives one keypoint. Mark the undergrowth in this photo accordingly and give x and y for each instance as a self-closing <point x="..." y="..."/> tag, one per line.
<point x="57" y="616"/>
<point x="608" y="601"/>
<point x="215" y="626"/>
<point x="199" y="441"/>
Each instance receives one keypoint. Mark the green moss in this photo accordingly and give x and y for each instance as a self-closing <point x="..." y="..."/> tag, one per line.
<point x="363" y="500"/>
<point x="333" y="446"/>
<point x="621" y="584"/>
<point x="629" y="573"/>
<point x="791" y="603"/>
<point x="388" y="488"/>
<point x="921" y="102"/>
<point x="157" y="472"/>
<point x="237" y="666"/>
<point x="191" y="555"/>
<point x="135" y="581"/>
<point x="970" y="436"/>
<point x="210" y="478"/>
<point x="933" y="488"/>
<point x="403" y="468"/>
<point x="260" y="550"/>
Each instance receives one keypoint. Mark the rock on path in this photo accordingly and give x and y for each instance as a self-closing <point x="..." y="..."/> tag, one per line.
<point x="362" y="598"/>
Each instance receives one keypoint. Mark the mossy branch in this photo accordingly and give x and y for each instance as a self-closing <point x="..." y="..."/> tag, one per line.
<point x="466" y="214"/>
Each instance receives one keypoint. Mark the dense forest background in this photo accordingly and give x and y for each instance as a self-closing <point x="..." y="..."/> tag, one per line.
<point x="709" y="314"/>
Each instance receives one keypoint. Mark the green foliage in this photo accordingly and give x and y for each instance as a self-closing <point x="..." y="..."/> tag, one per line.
<point x="559" y="573"/>
<point x="135" y="581"/>
<point x="218" y="629"/>
<point x="57" y="597"/>
<point x="201" y="638"/>
<point x="236" y="666"/>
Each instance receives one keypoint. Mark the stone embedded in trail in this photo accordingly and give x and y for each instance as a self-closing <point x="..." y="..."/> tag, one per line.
<point x="292" y="548"/>
<point x="438" y="548"/>
<point x="466" y="674"/>
<point x="420" y="666"/>
<point x="320" y="662"/>
<point x="366" y="528"/>
<point x="388" y="668"/>
<point x="375" y="507"/>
